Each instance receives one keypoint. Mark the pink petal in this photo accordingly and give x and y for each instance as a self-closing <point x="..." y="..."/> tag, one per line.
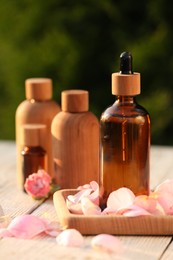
<point x="164" y="195"/>
<point x="121" y="198"/>
<point x="165" y="186"/>
<point x="94" y="196"/>
<point x="148" y="203"/>
<point x="79" y="195"/>
<point x="5" y="233"/>
<point x="108" y="243"/>
<point x="135" y="211"/>
<point x="89" y="208"/>
<point x="53" y="228"/>
<point x="165" y="199"/>
<point x="26" y="226"/>
<point x="74" y="201"/>
<point x="70" y="237"/>
<point x="74" y="208"/>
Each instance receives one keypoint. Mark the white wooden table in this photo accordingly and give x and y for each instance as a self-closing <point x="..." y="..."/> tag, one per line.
<point x="14" y="202"/>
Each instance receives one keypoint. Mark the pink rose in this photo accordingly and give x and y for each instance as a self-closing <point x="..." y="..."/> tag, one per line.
<point x="38" y="185"/>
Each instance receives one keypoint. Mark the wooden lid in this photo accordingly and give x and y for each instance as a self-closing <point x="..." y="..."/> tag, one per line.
<point x="74" y="100"/>
<point x="126" y="84"/>
<point x="32" y="134"/>
<point x="38" y="88"/>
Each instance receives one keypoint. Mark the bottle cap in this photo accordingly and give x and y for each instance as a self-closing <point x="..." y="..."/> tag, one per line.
<point x="38" y="88"/>
<point x="32" y="134"/>
<point x="74" y="100"/>
<point x="125" y="82"/>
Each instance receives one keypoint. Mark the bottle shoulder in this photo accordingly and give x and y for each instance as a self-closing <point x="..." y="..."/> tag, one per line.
<point x="29" y="109"/>
<point x="129" y="110"/>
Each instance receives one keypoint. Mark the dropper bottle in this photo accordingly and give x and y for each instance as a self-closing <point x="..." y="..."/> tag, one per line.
<point x="125" y="135"/>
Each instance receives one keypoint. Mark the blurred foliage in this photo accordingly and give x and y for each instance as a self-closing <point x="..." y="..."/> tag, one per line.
<point x="78" y="43"/>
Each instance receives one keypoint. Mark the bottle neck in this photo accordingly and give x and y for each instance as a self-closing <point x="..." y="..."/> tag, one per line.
<point x="125" y="99"/>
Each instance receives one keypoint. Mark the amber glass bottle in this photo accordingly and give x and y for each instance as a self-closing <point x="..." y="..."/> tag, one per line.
<point x="125" y="135"/>
<point x="34" y="157"/>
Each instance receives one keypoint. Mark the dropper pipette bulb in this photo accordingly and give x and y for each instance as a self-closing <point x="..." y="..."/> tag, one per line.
<point x="126" y="63"/>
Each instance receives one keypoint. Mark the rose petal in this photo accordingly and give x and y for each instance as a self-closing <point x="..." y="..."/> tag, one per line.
<point x="94" y="196"/>
<point x="70" y="237"/>
<point x="119" y="199"/>
<point x="165" y="199"/>
<point x="5" y="233"/>
<point x="167" y="186"/>
<point x="53" y="228"/>
<point x="108" y="243"/>
<point x="74" y="201"/>
<point x="78" y="196"/>
<point x="89" y="208"/>
<point x="134" y="211"/>
<point x="146" y="202"/>
<point x="164" y="195"/>
<point x="74" y="208"/>
<point x="26" y="226"/>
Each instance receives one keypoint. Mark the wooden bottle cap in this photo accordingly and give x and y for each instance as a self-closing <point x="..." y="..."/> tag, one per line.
<point x="38" y="88"/>
<point x="32" y="134"/>
<point x="126" y="84"/>
<point x="74" y="100"/>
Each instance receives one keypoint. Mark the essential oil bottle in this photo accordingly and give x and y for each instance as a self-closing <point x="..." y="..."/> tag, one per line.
<point x="125" y="135"/>
<point x="75" y="134"/>
<point x="34" y="157"/>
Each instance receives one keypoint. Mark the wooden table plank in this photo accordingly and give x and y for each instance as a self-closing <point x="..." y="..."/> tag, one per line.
<point x="161" y="167"/>
<point x="13" y="201"/>
<point x="168" y="254"/>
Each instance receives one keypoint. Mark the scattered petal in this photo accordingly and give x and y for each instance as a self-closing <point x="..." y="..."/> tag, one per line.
<point x="74" y="201"/>
<point x="164" y="195"/>
<point x="70" y="237"/>
<point x="27" y="226"/>
<point x="74" y="208"/>
<point x="165" y="199"/>
<point x="135" y="211"/>
<point x="146" y="202"/>
<point x="5" y="233"/>
<point x="107" y="243"/>
<point x="120" y="199"/>
<point x="53" y="228"/>
<point x="89" y="208"/>
<point x="167" y="185"/>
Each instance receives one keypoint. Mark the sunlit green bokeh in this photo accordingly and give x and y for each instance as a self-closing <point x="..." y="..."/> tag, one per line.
<point x="78" y="43"/>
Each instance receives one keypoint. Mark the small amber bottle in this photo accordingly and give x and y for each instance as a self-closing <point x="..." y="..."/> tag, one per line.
<point x="34" y="157"/>
<point x="125" y="135"/>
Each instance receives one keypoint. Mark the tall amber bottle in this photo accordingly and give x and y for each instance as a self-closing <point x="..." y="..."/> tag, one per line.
<point x="125" y="135"/>
<point x="75" y="133"/>
<point x="38" y="108"/>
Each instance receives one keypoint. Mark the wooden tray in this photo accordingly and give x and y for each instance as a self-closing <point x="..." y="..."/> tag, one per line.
<point x="119" y="225"/>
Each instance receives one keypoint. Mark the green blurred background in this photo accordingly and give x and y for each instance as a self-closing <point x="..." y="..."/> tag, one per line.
<point x="77" y="43"/>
